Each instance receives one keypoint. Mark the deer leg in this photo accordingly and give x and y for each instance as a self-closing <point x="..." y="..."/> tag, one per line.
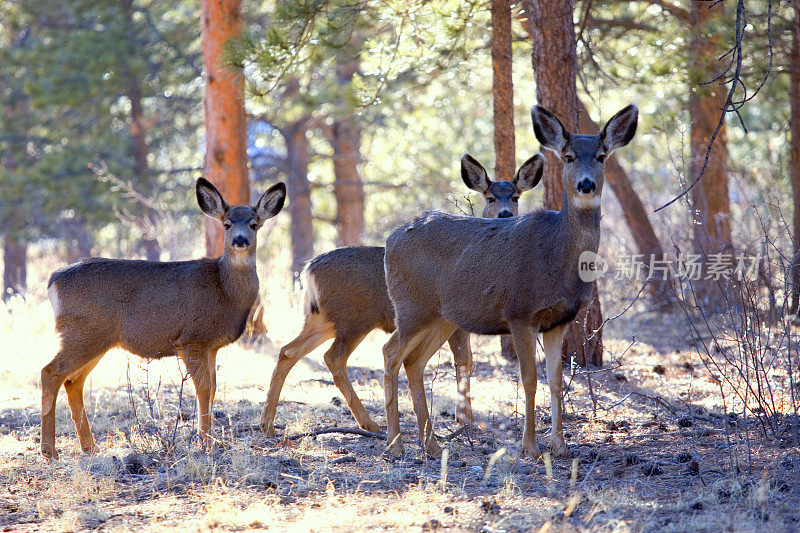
<point x="395" y="351"/>
<point x="197" y="364"/>
<point x="315" y="331"/>
<point x="75" y="354"/>
<point x="74" y="387"/>
<point x="462" y="360"/>
<point x="336" y="359"/>
<point x="51" y="382"/>
<point x="415" y="369"/>
<point x="551" y="342"/>
<point x="525" y="347"/>
<point x="212" y="385"/>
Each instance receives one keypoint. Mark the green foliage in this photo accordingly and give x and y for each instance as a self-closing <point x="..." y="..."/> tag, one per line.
<point x="66" y="101"/>
<point x="415" y="75"/>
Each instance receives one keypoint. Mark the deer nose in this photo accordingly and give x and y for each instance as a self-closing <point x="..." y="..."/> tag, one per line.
<point x="240" y="242"/>
<point x="505" y="214"/>
<point x="586" y="186"/>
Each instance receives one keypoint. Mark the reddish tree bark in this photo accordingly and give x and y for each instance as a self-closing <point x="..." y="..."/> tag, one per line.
<point x="226" y="127"/>
<point x="298" y="189"/>
<point x="706" y="102"/>
<point x="555" y="69"/>
<point x="503" y="101"/>
<point x="503" y="91"/>
<point x="794" y="125"/>
<point x="225" y="121"/>
<point x="345" y="138"/>
<point x="633" y="210"/>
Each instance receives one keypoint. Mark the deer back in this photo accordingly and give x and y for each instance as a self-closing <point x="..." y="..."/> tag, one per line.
<point x="481" y="273"/>
<point x="152" y="308"/>
<point x="348" y="286"/>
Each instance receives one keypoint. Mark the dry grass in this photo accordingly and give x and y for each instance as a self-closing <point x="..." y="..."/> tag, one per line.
<point x="642" y="465"/>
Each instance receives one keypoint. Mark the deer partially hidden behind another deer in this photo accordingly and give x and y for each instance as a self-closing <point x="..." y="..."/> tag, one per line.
<point x="155" y="309"/>
<point x="518" y="276"/>
<point x="346" y="298"/>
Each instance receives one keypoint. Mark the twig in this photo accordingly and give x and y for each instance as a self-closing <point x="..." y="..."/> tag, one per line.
<point x="734" y="68"/>
<point x="344" y="431"/>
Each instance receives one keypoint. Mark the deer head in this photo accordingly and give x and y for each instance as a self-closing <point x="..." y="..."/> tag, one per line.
<point x="501" y="197"/>
<point x="240" y="222"/>
<point x="584" y="155"/>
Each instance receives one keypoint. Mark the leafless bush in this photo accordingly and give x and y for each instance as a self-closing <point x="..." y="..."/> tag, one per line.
<point x="749" y="344"/>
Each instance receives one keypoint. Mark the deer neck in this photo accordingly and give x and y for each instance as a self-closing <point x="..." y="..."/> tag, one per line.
<point x="238" y="276"/>
<point x="582" y="225"/>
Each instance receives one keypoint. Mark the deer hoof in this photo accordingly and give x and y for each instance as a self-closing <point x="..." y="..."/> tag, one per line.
<point x="396" y="449"/>
<point x="558" y="449"/>
<point x="50" y="453"/>
<point x="433" y="450"/>
<point x="531" y="450"/>
<point x="371" y="426"/>
<point x="91" y="449"/>
<point x="267" y="428"/>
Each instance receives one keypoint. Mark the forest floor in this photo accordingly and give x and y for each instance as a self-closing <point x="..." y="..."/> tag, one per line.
<point x="655" y="448"/>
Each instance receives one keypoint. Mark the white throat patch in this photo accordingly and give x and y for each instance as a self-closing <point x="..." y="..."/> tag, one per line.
<point x="583" y="201"/>
<point x="241" y="260"/>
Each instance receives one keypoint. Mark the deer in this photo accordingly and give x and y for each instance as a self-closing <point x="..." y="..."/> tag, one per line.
<point x="155" y="309"/>
<point x="346" y="298"/>
<point x="515" y="275"/>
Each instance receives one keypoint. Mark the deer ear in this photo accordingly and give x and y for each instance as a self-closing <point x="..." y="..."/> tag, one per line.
<point x="621" y="128"/>
<point x="271" y="202"/>
<point x="548" y="130"/>
<point x="530" y="173"/>
<point x="473" y="174"/>
<point x="211" y="201"/>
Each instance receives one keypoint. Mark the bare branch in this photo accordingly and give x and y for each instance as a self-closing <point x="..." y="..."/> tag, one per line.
<point x="733" y="71"/>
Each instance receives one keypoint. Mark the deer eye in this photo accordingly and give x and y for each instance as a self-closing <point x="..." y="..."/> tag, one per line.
<point x="491" y="200"/>
<point x="569" y="158"/>
<point x="515" y="199"/>
<point x="601" y="157"/>
<point x="253" y="225"/>
<point x="227" y="224"/>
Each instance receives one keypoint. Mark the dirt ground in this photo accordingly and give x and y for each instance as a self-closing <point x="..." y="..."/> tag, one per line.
<point x="651" y="445"/>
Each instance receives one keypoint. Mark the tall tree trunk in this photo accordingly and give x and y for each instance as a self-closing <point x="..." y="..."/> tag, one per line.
<point x="555" y="69"/>
<point x="137" y="128"/>
<point x="794" y="125"/>
<point x="301" y="229"/>
<point x="503" y="99"/>
<point x="503" y="91"/>
<point x="632" y="208"/>
<point x="644" y="236"/>
<point x="226" y="127"/>
<point x="15" y="267"/>
<point x="347" y="186"/>
<point x="706" y="102"/>
<point x="225" y="121"/>
<point x="345" y="138"/>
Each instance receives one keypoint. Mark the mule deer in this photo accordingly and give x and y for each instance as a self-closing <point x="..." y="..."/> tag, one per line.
<point x="517" y="276"/>
<point x="346" y="299"/>
<point x="155" y="309"/>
